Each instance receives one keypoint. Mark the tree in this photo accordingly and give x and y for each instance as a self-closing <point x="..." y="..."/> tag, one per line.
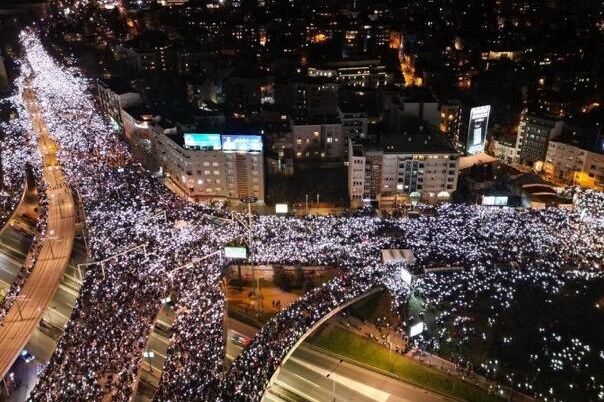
<point x="278" y="275"/>
<point x="308" y="284"/>
<point x="298" y="280"/>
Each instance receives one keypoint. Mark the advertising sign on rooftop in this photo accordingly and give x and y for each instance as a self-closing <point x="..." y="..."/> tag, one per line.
<point x="477" y="129"/>
<point x="246" y="143"/>
<point x="202" y="141"/>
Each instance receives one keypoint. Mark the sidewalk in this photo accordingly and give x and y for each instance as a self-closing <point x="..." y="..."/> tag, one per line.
<point x="396" y="342"/>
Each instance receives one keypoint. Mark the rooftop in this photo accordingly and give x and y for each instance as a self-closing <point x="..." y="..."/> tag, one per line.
<point x="117" y="85"/>
<point x="417" y="143"/>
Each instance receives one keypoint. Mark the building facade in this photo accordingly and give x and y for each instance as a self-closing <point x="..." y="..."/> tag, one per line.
<point x="113" y="96"/>
<point x="450" y="122"/>
<point x="318" y="141"/>
<point x="534" y="134"/>
<point x="504" y="150"/>
<point x="206" y="173"/>
<point x="574" y="165"/>
<point x="355" y="123"/>
<point x="427" y="166"/>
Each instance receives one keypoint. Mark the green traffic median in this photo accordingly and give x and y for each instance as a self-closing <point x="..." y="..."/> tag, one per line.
<point x="365" y="351"/>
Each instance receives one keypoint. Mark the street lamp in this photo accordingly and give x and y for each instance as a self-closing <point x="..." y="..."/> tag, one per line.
<point x="249" y="200"/>
<point x="52" y="239"/>
<point x="333" y="380"/>
<point x="17" y="299"/>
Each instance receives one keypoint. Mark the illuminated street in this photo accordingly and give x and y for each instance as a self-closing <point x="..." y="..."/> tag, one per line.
<point x="231" y="202"/>
<point x="39" y="289"/>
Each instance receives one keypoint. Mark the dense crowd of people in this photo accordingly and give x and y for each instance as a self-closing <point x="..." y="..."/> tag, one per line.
<point x="19" y="157"/>
<point x="32" y="256"/>
<point x="129" y="212"/>
<point x="115" y="308"/>
<point x="251" y="372"/>
<point x="193" y="368"/>
<point x="18" y="150"/>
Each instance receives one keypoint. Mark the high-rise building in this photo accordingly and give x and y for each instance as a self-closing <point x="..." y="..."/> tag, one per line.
<point x="534" y="133"/>
<point x="450" y="121"/>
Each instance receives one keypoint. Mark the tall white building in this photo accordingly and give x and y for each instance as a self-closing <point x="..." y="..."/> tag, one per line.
<point x="574" y="164"/>
<point x="420" y="163"/>
<point x="211" y="166"/>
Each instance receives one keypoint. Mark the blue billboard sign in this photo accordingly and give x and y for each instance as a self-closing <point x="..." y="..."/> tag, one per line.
<point x="239" y="142"/>
<point x="203" y="141"/>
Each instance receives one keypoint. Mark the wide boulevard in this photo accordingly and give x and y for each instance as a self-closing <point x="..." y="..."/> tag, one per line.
<point x="40" y="287"/>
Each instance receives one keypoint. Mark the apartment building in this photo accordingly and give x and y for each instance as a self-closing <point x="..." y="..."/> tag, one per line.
<point x="208" y="167"/>
<point x="576" y="159"/>
<point x="534" y="133"/>
<point x="424" y="164"/>
<point x="316" y="140"/>
<point x="113" y="95"/>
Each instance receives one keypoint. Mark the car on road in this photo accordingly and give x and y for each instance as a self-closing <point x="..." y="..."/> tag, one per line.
<point x="240" y="340"/>
<point x="26" y="356"/>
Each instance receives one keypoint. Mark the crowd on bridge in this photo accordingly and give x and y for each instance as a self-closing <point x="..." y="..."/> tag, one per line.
<point x="129" y="213"/>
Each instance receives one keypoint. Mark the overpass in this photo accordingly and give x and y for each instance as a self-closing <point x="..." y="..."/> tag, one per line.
<point x="258" y="365"/>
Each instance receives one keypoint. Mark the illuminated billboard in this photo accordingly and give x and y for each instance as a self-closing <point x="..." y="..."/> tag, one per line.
<point x="499" y="201"/>
<point x="416" y="329"/>
<point x="239" y="252"/>
<point x="244" y="143"/>
<point x="406" y="276"/>
<point x="203" y="141"/>
<point x="280" y="208"/>
<point x="477" y="129"/>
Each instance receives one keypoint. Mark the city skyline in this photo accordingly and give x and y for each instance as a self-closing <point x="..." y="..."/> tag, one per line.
<point x="266" y="200"/>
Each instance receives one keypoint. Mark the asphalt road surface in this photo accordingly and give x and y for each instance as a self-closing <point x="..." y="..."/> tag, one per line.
<point x="304" y="375"/>
<point x="26" y="312"/>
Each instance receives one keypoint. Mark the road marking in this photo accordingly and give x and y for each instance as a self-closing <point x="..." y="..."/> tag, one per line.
<point x="297" y="391"/>
<point x="366" y="390"/>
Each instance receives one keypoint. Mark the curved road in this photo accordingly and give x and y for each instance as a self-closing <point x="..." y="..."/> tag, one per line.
<point x="40" y="287"/>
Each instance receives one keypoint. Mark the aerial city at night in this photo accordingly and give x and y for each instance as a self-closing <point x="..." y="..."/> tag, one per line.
<point x="301" y="200"/>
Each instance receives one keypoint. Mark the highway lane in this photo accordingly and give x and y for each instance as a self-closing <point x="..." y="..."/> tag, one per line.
<point x="23" y="317"/>
<point x="45" y="337"/>
<point x="156" y="350"/>
<point x="305" y="375"/>
<point x="14" y="242"/>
